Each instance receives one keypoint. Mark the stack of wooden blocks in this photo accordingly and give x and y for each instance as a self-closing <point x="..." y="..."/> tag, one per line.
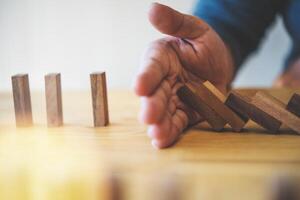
<point x="237" y="109"/>
<point x="22" y="100"/>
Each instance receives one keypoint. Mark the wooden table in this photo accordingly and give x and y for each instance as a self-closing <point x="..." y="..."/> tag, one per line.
<point x="76" y="160"/>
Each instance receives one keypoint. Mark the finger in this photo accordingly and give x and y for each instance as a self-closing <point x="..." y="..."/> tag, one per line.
<point x="152" y="132"/>
<point x="167" y="131"/>
<point x="172" y="22"/>
<point x="154" y="67"/>
<point x="155" y="106"/>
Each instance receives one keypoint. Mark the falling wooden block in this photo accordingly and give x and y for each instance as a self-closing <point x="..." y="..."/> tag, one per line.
<point x="238" y="104"/>
<point x="215" y="91"/>
<point x="22" y="101"/>
<point x="218" y="102"/>
<point x="99" y="98"/>
<point x="209" y="96"/>
<point x="277" y="109"/>
<point x="53" y="100"/>
<point x="294" y="105"/>
<point x="242" y="105"/>
<point x="190" y="96"/>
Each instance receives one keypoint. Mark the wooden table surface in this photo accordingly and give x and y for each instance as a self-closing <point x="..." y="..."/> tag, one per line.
<point x="72" y="161"/>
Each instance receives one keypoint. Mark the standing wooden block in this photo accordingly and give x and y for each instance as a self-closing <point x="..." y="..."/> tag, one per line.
<point x="242" y="105"/>
<point x="99" y="98"/>
<point x="277" y="109"/>
<point x="22" y="101"/>
<point x="294" y="105"/>
<point x="53" y="100"/>
<point x="217" y="101"/>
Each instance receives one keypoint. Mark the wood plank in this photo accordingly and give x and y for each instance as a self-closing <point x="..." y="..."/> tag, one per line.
<point x="99" y="98"/>
<point x="242" y="105"/>
<point x="22" y="100"/>
<point x="53" y="100"/>
<point x="277" y="109"/>
<point x="294" y="105"/>
<point x="189" y="95"/>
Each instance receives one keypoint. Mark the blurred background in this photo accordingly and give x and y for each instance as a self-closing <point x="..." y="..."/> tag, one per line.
<point x="77" y="37"/>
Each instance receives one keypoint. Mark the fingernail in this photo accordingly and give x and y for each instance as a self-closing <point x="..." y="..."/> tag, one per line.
<point x="154" y="4"/>
<point x="149" y="132"/>
<point x="154" y="144"/>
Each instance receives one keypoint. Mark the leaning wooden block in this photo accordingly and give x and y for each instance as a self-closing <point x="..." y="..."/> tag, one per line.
<point x="189" y="95"/>
<point x="99" y="98"/>
<point x="242" y="105"/>
<point x="53" y="100"/>
<point x="277" y="109"/>
<point x="238" y="104"/>
<point x="22" y="101"/>
<point x="215" y="91"/>
<point x="216" y="100"/>
<point x="294" y="105"/>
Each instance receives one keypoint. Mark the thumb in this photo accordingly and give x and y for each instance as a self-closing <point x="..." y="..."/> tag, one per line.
<point x="174" y="23"/>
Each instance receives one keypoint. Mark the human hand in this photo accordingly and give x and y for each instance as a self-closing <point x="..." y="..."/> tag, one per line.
<point x="192" y="52"/>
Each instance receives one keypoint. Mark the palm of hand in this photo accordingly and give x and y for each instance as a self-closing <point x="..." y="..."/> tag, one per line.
<point x="166" y="65"/>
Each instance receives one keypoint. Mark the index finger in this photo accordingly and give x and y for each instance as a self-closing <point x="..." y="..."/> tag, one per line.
<point x="154" y="68"/>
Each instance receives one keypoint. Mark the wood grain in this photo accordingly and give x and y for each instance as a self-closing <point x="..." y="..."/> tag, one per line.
<point x="22" y="100"/>
<point x="277" y="109"/>
<point x="53" y="100"/>
<point x="242" y="105"/>
<point x="99" y="98"/>
<point x="294" y="105"/>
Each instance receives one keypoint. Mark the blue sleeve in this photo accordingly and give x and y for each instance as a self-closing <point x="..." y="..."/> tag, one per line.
<point x="240" y="23"/>
<point x="291" y="17"/>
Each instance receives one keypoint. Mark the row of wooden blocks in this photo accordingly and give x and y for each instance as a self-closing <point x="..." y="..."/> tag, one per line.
<point x="237" y="109"/>
<point x="22" y="99"/>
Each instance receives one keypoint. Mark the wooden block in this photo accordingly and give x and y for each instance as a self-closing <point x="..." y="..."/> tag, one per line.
<point x="238" y="104"/>
<point x="242" y="105"/>
<point x="285" y="188"/>
<point x="209" y="102"/>
<point x="277" y="109"/>
<point x="22" y="100"/>
<point x="215" y="91"/>
<point x="190" y="96"/>
<point x="99" y="98"/>
<point x="294" y="105"/>
<point x="216" y="100"/>
<point x="53" y="100"/>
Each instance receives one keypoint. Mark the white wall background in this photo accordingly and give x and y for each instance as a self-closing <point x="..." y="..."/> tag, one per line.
<point x="76" y="37"/>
